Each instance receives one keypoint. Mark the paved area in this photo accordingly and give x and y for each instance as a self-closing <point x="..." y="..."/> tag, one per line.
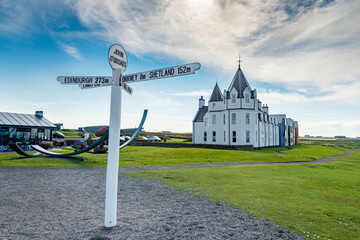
<point x="69" y="204"/>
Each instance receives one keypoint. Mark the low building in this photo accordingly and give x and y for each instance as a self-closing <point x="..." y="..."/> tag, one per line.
<point x="59" y="126"/>
<point x="24" y="128"/>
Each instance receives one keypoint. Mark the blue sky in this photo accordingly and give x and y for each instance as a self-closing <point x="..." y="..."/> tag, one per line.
<point x="301" y="56"/>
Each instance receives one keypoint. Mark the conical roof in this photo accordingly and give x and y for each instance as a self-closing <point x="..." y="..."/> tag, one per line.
<point x="239" y="82"/>
<point x="216" y="94"/>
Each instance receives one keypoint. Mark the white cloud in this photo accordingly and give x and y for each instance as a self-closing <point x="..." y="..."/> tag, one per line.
<point x="316" y="49"/>
<point x="192" y="93"/>
<point x="157" y="101"/>
<point x="71" y="50"/>
<point x="330" y="128"/>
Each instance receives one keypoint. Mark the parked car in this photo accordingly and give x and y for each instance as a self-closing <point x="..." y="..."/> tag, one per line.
<point x="58" y="135"/>
<point x="153" y="139"/>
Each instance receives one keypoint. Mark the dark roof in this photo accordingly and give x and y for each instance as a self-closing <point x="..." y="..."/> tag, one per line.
<point x="24" y="120"/>
<point x="216" y="94"/>
<point x="239" y="82"/>
<point x="200" y="114"/>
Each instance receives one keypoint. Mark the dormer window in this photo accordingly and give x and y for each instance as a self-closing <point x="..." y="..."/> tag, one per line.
<point x="233" y="98"/>
<point x="247" y="98"/>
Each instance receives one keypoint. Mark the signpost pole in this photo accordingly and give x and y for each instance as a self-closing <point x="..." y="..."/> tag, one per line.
<point x="113" y="152"/>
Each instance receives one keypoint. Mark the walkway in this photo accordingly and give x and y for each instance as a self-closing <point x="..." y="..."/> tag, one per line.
<point x="321" y="160"/>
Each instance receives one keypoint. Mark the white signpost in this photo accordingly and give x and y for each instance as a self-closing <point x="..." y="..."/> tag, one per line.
<point x="118" y="62"/>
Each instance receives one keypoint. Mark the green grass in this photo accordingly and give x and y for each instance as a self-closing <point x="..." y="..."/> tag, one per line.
<point x="313" y="199"/>
<point x="73" y="133"/>
<point x="161" y="156"/>
<point x="333" y="142"/>
<point x="177" y="140"/>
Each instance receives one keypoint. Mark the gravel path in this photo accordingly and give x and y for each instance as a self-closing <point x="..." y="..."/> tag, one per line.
<point x="69" y="204"/>
<point x="321" y="160"/>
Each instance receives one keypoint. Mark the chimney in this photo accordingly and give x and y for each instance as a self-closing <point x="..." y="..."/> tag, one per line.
<point x="39" y="114"/>
<point x="265" y="108"/>
<point x="201" y="102"/>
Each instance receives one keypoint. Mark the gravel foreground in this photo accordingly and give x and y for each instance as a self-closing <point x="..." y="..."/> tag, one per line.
<point x="69" y="204"/>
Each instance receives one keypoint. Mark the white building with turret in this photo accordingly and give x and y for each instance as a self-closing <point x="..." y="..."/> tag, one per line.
<point x="235" y="117"/>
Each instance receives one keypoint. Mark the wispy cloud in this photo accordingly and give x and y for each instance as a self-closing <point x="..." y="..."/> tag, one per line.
<point x="192" y="93"/>
<point x="71" y="50"/>
<point x="158" y="101"/>
<point x="330" y="128"/>
<point x="310" y="47"/>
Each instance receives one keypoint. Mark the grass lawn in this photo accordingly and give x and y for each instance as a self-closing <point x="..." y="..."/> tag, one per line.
<point x="178" y="140"/>
<point x="333" y="142"/>
<point x="161" y="156"/>
<point x="320" y="201"/>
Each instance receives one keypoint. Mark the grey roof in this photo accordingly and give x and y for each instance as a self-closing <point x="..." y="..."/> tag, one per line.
<point x="200" y="115"/>
<point x="216" y="94"/>
<point x="239" y="82"/>
<point x="24" y="120"/>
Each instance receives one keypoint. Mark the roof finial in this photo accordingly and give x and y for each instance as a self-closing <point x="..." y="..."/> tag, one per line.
<point x="239" y="60"/>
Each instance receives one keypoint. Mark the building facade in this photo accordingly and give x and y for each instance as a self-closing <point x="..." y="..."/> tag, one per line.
<point x="237" y="117"/>
<point x="24" y="129"/>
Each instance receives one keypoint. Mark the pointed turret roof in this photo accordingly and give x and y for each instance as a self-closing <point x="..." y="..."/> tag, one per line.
<point x="216" y="94"/>
<point x="239" y="82"/>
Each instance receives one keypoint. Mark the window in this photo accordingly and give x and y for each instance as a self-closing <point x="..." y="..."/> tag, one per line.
<point x="4" y="135"/>
<point x="206" y="121"/>
<point x="224" y="119"/>
<point x="213" y="119"/>
<point x="247" y="100"/>
<point x="41" y="134"/>
<point x="248" y="118"/>
<point x="214" y="105"/>
<point x="224" y="136"/>
<point x="205" y="136"/>
<point x="23" y="134"/>
<point x="247" y="136"/>
<point x="233" y="98"/>
<point x="234" y="136"/>
<point x="233" y="118"/>
<point x="214" y="136"/>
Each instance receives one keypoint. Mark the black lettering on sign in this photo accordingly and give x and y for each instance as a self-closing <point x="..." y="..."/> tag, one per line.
<point x="119" y="53"/>
<point x="142" y="76"/>
<point x="101" y="80"/>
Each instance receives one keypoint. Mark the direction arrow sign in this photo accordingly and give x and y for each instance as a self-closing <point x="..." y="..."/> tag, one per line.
<point x="127" y="88"/>
<point x="102" y="80"/>
<point x="117" y="57"/>
<point x="124" y="86"/>
<point x="162" y="73"/>
<point x="87" y="86"/>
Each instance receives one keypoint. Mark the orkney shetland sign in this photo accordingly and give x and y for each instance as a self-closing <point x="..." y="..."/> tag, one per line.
<point x="168" y="72"/>
<point x="117" y="57"/>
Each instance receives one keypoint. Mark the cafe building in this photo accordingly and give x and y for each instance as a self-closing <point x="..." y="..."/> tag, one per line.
<point x="24" y="128"/>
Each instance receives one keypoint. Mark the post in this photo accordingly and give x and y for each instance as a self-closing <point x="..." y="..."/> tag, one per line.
<point x="113" y="152"/>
